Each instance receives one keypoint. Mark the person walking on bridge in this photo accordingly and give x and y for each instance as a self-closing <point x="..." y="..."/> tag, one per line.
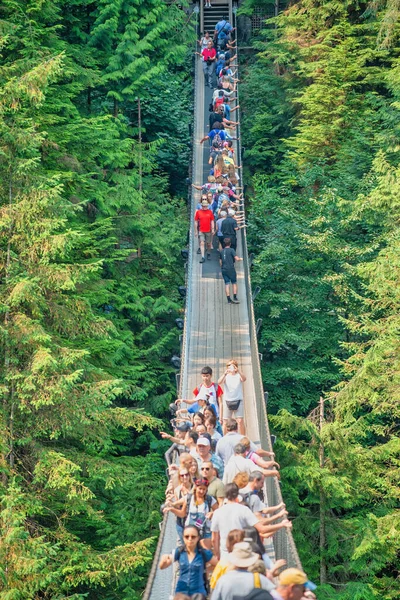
<point x="232" y="384"/>
<point x="228" y="258"/>
<point x="240" y="581"/>
<point x="229" y="228"/>
<point x="192" y="559"/>
<point x="234" y="515"/>
<point x="209" y="56"/>
<point x="223" y="29"/>
<point x="204" y="219"/>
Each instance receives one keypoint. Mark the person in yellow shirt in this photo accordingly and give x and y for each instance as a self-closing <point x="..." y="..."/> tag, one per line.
<point x="223" y="565"/>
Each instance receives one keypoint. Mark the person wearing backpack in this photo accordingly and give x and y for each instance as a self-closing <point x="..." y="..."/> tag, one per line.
<point x="228" y="257"/>
<point x="222" y="29"/>
<point x="196" y="510"/>
<point x="192" y="559"/>
<point x="240" y="582"/>
<point x="217" y="134"/>
<point x="250" y="496"/>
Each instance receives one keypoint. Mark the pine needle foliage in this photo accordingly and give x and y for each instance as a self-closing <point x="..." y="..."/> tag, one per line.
<point x="90" y="240"/>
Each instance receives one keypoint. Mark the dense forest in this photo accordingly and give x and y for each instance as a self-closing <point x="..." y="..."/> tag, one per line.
<point x="95" y="107"/>
<point x="94" y="110"/>
<point x="323" y="165"/>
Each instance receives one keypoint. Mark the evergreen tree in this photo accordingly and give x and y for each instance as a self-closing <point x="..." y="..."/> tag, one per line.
<point x="89" y="298"/>
<point x="324" y="227"/>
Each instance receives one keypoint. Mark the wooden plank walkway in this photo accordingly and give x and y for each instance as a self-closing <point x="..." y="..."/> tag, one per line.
<point x="217" y="331"/>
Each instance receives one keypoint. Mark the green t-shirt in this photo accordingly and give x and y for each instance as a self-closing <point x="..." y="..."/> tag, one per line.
<point x="216" y="489"/>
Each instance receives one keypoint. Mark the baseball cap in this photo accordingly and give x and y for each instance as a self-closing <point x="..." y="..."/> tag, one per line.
<point x="202" y="441"/>
<point x="204" y="203"/>
<point x="296" y="577"/>
<point x="231" y="212"/>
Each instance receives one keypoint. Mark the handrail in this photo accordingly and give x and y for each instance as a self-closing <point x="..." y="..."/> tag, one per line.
<point x="182" y="386"/>
<point x="283" y="539"/>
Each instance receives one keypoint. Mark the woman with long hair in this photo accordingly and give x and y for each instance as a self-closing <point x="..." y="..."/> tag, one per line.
<point x="197" y="510"/>
<point x="223" y="566"/>
<point x="186" y="484"/>
<point x="192" y="559"/>
<point x="198" y="419"/>
<point x="180" y="492"/>
<point x="194" y="469"/>
<point x="219" y="166"/>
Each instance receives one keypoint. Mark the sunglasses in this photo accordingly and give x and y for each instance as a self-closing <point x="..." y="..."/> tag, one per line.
<point x="190" y="537"/>
<point x="183" y="474"/>
<point x="205" y="469"/>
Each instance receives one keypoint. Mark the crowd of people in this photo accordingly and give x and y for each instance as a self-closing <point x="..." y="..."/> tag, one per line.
<point x="216" y="473"/>
<point x="219" y="215"/>
<point x="215" y="493"/>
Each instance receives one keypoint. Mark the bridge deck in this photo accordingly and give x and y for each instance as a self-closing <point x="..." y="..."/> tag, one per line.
<point x="218" y="331"/>
<point x="214" y="333"/>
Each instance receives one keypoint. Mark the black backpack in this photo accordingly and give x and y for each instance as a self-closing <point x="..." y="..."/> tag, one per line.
<point x="256" y="594"/>
<point x="246" y="497"/>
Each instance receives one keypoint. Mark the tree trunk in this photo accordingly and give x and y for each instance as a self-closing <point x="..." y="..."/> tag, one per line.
<point x="9" y="397"/>
<point x="140" y="146"/>
<point x="322" y="529"/>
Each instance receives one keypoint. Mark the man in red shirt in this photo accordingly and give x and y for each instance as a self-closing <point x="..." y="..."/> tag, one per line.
<point x="205" y="228"/>
<point x="209" y="56"/>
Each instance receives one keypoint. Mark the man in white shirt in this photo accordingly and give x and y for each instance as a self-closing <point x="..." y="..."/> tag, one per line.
<point x="238" y="463"/>
<point x="225" y="446"/>
<point x="234" y="515"/>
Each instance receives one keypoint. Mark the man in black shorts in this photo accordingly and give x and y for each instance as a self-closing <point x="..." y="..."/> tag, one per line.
<point x="227" y="262"/>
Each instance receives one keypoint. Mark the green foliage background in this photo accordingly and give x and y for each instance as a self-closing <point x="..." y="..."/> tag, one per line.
<point x="322" y="155"/>
<point x="91" y="226"/>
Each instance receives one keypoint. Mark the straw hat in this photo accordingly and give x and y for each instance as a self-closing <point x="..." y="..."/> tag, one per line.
<point x="242" y="555"/>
